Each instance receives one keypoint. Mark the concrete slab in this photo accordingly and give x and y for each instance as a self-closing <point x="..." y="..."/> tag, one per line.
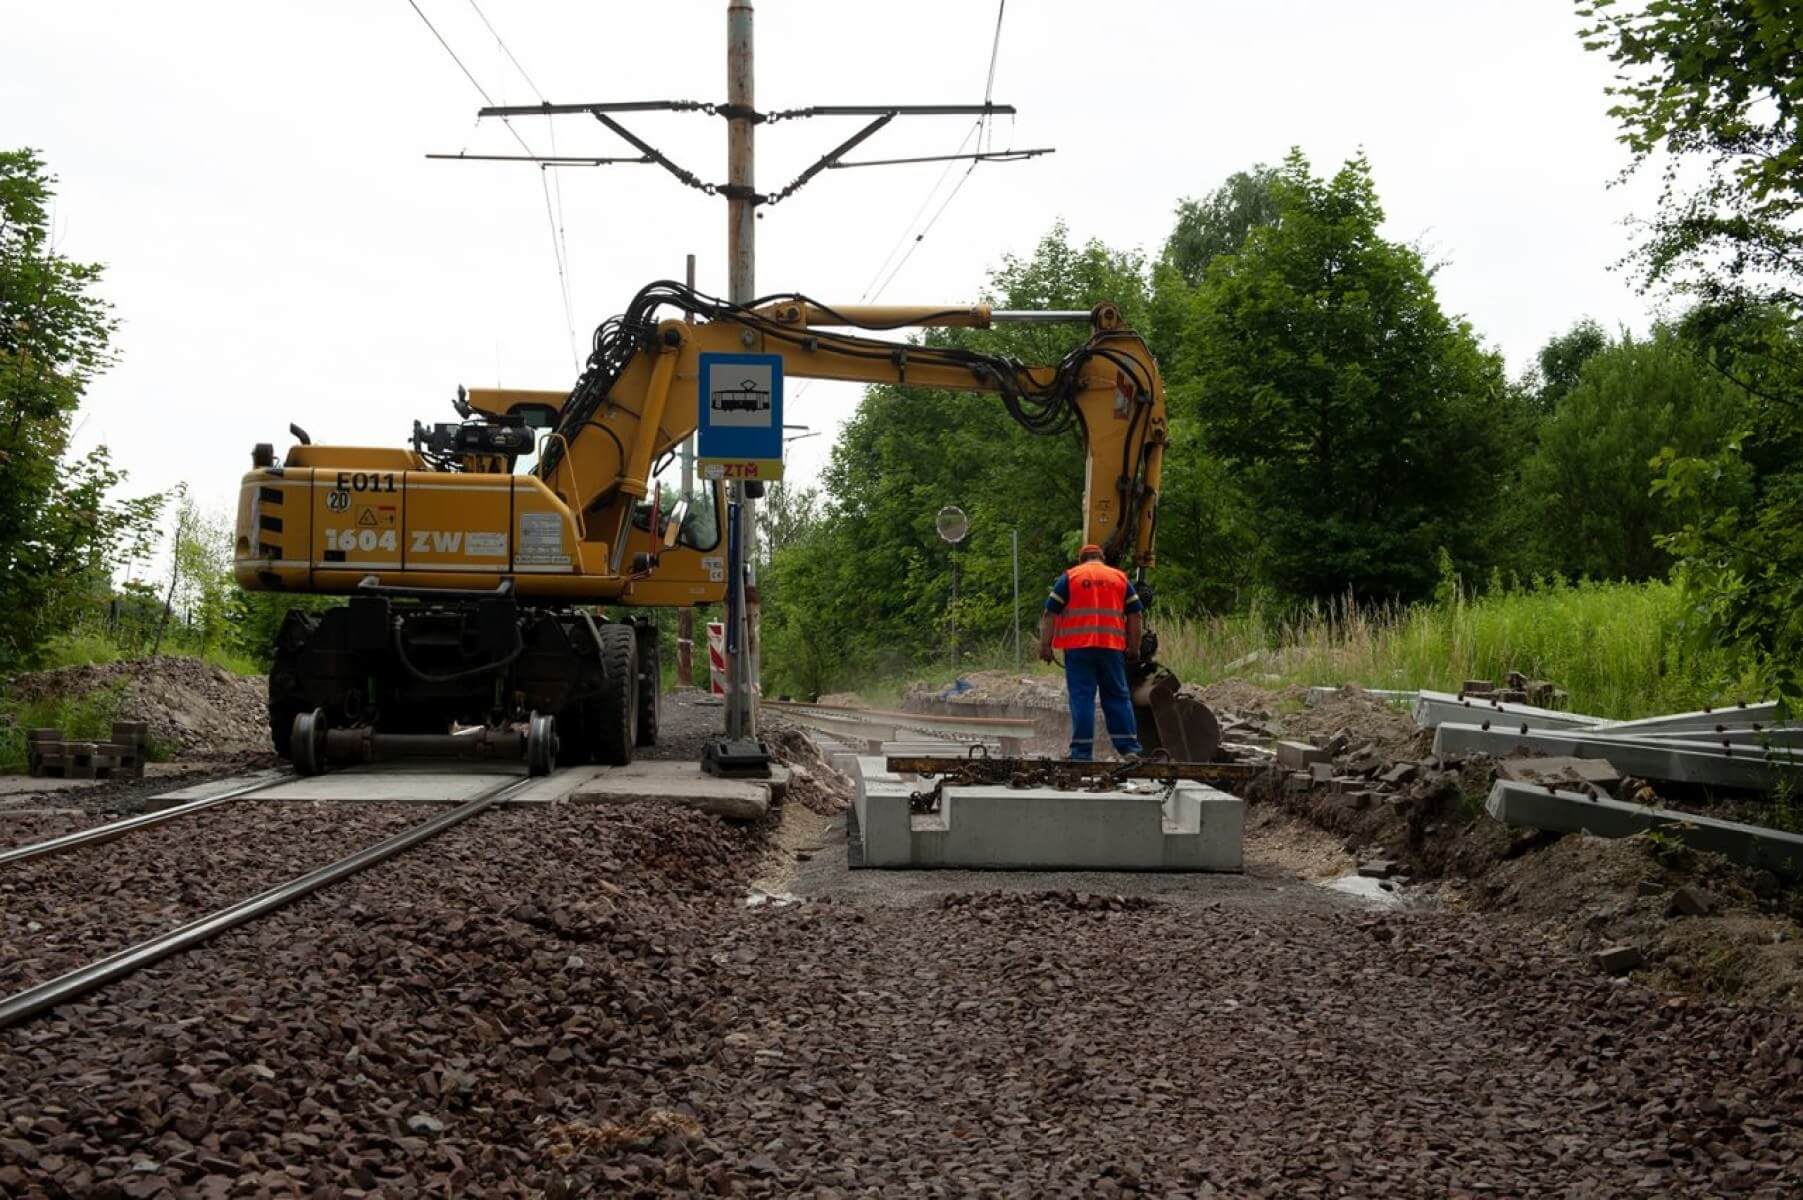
<point x="1574" y="812"/>
<point x="1560" y="768"/>
<point x="211" y="787"/>
<point x="1433" y="709"/>
<point x="387" y="783"/>
<point x="411" y="787"/>
<point x="1751" y="770"/>
<point x="1189" y="828"/>
<point x="32" y="785"/>
<point x="676" y="783"/>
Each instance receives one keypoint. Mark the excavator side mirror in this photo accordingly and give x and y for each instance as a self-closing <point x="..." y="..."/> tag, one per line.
<point x="673" y="523"/>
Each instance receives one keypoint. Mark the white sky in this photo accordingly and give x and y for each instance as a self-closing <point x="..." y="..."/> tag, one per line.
<point x="279" y="249"/>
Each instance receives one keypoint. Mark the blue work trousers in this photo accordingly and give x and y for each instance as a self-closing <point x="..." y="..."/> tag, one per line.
<point x="1086" y="670"/>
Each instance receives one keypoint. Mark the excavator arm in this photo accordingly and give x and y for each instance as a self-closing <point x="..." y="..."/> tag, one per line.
<point x="638" y="401"/>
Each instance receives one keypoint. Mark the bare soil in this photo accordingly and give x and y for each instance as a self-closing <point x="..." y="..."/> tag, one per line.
<point x="195" y="710"/>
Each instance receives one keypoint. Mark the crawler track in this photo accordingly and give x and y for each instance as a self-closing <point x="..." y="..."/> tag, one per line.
<point x="79" y="982"/>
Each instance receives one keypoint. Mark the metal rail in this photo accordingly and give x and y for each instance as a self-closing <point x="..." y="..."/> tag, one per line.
<point x="113" y="829"/>
<point x="79" y="982"/>
<point x="943" y="725"/>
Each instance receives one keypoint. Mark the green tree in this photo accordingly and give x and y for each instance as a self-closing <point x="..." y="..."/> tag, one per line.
<point x="1219" y="224"/>
<point x="1361" y="421"/>
<point x="59" y="525"/>
<point x="866" y="591"/>
<point x="1710" y="94"/>
<point x="1562" y="360"/>
<point x="1587" y="488"/>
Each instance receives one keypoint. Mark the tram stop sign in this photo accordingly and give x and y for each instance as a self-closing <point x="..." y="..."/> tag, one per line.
<point x="740" y="431"/>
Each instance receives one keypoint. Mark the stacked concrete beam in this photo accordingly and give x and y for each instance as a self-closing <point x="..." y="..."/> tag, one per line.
<point x="1433" y="709"/>
<point x="1574" y="812"/>
<point x="1753" y="768"/>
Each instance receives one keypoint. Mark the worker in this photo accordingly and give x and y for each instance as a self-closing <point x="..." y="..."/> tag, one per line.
<point x="1094" y="616"/>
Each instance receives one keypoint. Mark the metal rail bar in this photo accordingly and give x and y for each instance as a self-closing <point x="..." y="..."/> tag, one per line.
<point x="999" y="770"/>
<point x="113" y="829"/>
<point x="79" y="982"/>
<point x="887" y="716"/>
<point x="553" y="110"/>
<point x="547" y="160"/>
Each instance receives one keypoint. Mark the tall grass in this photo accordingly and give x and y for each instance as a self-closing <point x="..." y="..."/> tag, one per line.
<point x="1615" y="647"/>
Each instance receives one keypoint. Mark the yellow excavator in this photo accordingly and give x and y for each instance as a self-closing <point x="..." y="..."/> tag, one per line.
<point x="471" y="625"/>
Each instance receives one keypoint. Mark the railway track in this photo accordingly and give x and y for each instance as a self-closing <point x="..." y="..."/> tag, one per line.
<point x="869" y="728"/>
<point x="72" y="985"/>
<point x="113" y="829"/>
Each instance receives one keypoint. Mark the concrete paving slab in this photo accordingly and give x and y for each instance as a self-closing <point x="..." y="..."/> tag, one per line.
<point x="398" y="787"/>
<point x="1752" y="770"/>
<point x="31" y="785"/>
<point x="1575" y="812"/>
<point x="676" y="783"/>
<point x="212" y="787"/>
<point x="1433" y="709"/>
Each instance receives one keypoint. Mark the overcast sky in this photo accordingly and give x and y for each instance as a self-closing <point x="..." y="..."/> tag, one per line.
<point x="278" y="248"/>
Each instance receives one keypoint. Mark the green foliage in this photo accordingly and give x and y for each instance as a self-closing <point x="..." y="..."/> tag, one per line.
<point x="87" y="717"/>
<point x="1712" y="90"/>
<point x="1714" y="86"/>
<point x="1587" y="490"/>
<point x="863" y="588"/>
<point x="1354" y="413"/>
<point x="1207" y="229"/>
<point x="1562" y="360"/>
<point x="59" y="531"/>
<point x="1620" y="649"/>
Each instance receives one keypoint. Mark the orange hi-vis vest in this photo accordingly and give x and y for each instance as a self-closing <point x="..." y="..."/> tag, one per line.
<point x="1096" y="613"/>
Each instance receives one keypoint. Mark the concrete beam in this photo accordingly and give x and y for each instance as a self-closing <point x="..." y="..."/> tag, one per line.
<point x="1731" y="716"/>
<point x="1573" y="812"/>
<point x="1433" y="709"/>
<point x="678" y="783"/>
<point x="1317" y="695"/>
<point x="1190" y="828"/>
<point x="1752" y="770"/>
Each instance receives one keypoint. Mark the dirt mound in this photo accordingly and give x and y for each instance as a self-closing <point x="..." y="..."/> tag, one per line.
<point x="1248" y="700"/>
<point x="814" y="783"/>
<point x="194" y="710"/>
<point x="1363" y="716"/>
<point x="1001" y="690"/>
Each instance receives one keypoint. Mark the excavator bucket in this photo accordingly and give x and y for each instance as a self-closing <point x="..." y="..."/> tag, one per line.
<point x="1181" y="726"/>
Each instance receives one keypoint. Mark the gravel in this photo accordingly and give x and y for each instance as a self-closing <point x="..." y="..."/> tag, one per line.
<point x="576" y="1001"/>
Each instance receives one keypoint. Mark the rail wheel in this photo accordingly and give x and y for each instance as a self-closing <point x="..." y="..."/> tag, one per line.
<point x="307" y="742"/>
<point x="541" y="744"/>
<point x="615" y="711"/>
